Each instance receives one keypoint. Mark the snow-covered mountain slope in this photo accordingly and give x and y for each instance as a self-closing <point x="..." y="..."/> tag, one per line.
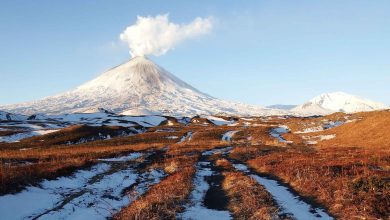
<point x="337" y="102"/>
<point x="137" y="86"/>
<point x="282" y="106"/>
<point x="5" y="116"/>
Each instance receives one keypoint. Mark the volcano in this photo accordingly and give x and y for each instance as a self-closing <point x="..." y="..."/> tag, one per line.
<point x="137" y="87"/>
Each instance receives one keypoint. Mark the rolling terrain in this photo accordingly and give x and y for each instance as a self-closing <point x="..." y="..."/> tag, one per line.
<point x="163" y="167"/>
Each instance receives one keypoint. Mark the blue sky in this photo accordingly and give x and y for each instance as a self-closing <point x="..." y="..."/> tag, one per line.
<point x="259" y="52"/>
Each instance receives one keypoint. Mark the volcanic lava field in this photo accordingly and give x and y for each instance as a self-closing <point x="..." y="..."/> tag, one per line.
<point x="205" y="167"/>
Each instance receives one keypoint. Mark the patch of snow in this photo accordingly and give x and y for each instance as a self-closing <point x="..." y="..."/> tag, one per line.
<point x="333" y="124"/>
<point x="166" y="130"/>
<point x="315" y="139"/>
<point x="248" y="119"/>
<point x="219" y="121"/>
<point x="147" y="121"/>
<point x="233" y="124"/>
<point x="99" y="118"/>
<point x="129" y="157"/>
<point x="310" y="130"/>
<point x="350" y="120"/>
<point x="140" y="112"/>
<point x="88" y="194"/>
<point x="327" y="137"/>
<point x="278" y="132"/>
<point x="222" y="151"/>
<point x="100" y="200"/>
<point x="186" y="137"/>
<point x="196" y="210"/>
<point x="23" y="125"/>
<point x="228" y="136"/>
<point x="327" y="125"/>
<point x="241" y="167"/>
<point x="19" y="136"/>
<point x="34" y="200"/>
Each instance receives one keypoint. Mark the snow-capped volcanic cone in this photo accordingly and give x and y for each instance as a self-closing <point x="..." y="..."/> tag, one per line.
<point x="136" y="86"/>
<point x="337" y="102"/>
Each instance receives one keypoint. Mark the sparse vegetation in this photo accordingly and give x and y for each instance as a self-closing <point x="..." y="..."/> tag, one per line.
<point x="165" y="199"/>
<point x="349" y="181"/>
<point x="348" y="175"/>
<point x="247" y="199"/>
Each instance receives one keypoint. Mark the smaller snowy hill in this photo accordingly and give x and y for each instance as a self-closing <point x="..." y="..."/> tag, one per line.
<point x="328" y="103"/>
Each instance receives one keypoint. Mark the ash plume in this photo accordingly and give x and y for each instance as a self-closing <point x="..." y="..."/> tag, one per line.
<point x="157" y="35"/>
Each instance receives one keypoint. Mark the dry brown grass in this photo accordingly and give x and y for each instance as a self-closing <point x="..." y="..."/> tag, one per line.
<point x="372" y="130"/>
<point x="300" y="123"/>
<point x="13" y="178"/>
<point x="165" y="199"/>
<point x="51" y="159"/>
<point x="204" y="138"/>
<point x="350" y="182"/>
<point x="247" y="153"/>
<point x="248" y="199"/>
<point x="367" y="129"/>
<point x="53" y="162"/>
<point x="55" y="140"/>
<point x="258" y="135"/>
<point x="75" y="133"/>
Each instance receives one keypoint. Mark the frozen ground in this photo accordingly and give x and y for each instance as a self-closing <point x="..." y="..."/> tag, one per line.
<point x="196" y="209"/>
<point x="19" y="136"/>
<point x="96" y="193"/>
<point x="219" y="121"/>
<point x="291" y="204"/>
<point x="278" y="133"/>
<point x="228" y="136"/>
<point x="186" y="137"/>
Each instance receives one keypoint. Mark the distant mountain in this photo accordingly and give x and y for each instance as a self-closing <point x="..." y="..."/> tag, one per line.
<point x="138" y="86"/>
<point x="337" y="102"/>
<point x="282" y="107"/>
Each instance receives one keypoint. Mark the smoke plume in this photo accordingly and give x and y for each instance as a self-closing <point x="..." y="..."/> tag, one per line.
<point x="157" y="35"/>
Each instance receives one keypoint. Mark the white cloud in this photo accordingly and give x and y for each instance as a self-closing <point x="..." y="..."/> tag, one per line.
<point x="157" y="35"/>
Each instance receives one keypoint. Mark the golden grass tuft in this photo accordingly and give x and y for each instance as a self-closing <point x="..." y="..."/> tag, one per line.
<point x="163" y="200"/>
<point x="350" y="182"/>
